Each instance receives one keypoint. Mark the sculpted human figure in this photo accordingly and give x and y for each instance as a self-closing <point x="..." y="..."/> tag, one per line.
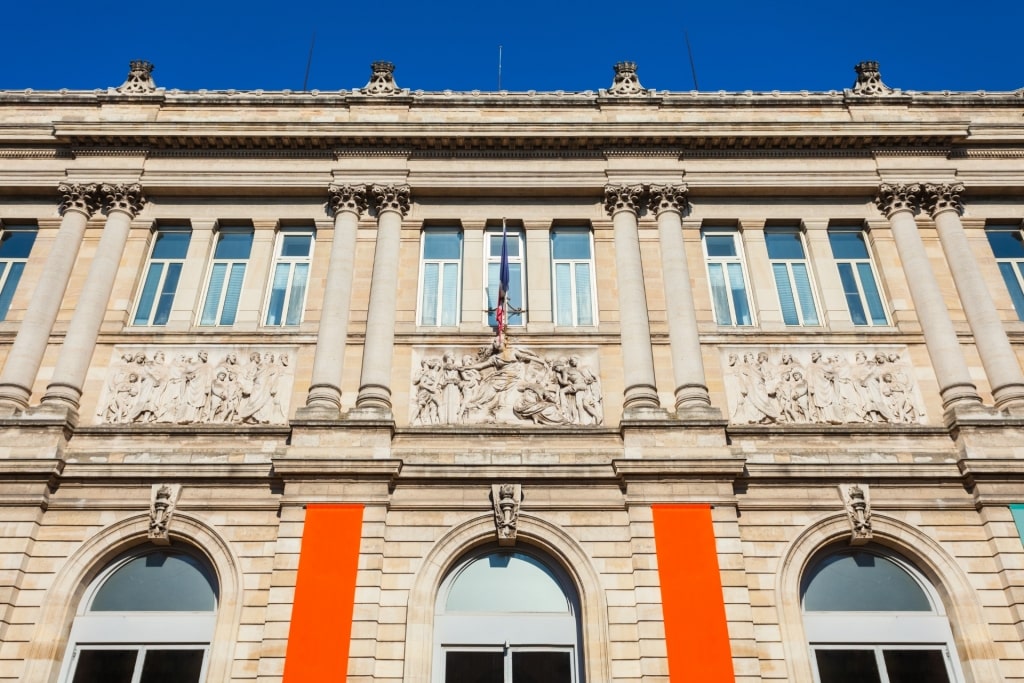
<point x="538" y="406"/>
<point x="428" y="399"/>
<point x="450" y="383"/>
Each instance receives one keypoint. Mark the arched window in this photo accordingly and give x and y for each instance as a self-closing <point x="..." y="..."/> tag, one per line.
<point x="148" y="618"/>
<point x="871" y="617"/>
<point x="509" y="616"/>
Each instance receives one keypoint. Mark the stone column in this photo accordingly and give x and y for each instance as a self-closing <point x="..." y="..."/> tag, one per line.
<point x="347" y="203"/>
<point x="668" y="202"/>
<point x="622" y="202"/>
<point x="392" y="202"/>
<point x="997" y="356"/>
<point x="899" y="203"/>
<point x="121" y="203"/>
<point x="77" y="204"/>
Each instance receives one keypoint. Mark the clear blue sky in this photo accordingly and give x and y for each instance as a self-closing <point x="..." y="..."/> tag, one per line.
<point x="552" y="45"/>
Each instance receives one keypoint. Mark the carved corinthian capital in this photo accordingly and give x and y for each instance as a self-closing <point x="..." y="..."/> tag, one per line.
<point x="125" y="198"/>
<point x="939" y="198"/>
<point x="391" y="198"/>
<point x="623" y="198"/>
<point x="140" y="78"/>
<point x="350" y="198"/>
<point x="83" y="198"/>
<point x="893" y="198"/>
<point x="668" y="198"/>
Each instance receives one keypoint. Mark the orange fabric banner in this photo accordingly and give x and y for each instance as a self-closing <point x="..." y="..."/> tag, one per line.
<point x="696" y="633"/>
<point x="321" y="627"/>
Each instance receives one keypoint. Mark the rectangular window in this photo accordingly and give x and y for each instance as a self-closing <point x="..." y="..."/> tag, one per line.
<point x="572" y="267"/>
<point x="287" y="298"/>
<point x="792" y="275"/>
<point x="1008" y="248"/>
<point x="857" y="274"/>
<point x="15" y="245"/>
<point x="227" y="274"/>
<point x="492" y="246"/>
<point x="727" y="277"/>
<point x="440" y="276"/>
<point x="163" y="270"/>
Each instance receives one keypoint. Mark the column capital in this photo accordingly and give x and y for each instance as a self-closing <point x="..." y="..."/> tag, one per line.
<point x="391" y="198"/>
<point x="350" y="198"/>
<point x="623" y="198"/>
<point x="895" y="197"/>
<point x="673" y="198"/>
<point x="125" y="198"/>
<point x="80" y="197"/>
<point x="941" y="198"/>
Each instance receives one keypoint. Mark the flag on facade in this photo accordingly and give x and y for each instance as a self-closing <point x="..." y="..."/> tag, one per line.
<point x="501" y="312"/>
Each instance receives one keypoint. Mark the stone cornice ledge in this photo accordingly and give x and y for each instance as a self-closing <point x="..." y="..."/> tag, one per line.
<point x="30" y="468"/>
<point x="680" y="469"/>
<point x="336" y="469"/>
<point x="991" y="469"/>
<point x="547" y="474"/>
<point x="162" y="470"/>
<point x="761" y="473"/>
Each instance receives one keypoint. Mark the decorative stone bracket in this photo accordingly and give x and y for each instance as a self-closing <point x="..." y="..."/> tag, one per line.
<point x="507" y="499"/>
<point x="857" y="501"/>
<point x="163" y="499"/>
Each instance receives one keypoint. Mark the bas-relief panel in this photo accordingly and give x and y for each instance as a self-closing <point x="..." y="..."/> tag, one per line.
<point x="826" y="385"/>
<point x="196" y="384"/>
<point x="506" y="384"/>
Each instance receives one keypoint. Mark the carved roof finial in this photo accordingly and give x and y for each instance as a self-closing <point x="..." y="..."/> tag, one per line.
<point x="626" y="81"/>
<point x="869" y="80"/>
<point x="382" y="80"/>
<point x="140" y="78"/>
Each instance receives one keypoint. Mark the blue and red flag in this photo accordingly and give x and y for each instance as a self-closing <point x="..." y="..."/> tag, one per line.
<point x="501" y="312"/>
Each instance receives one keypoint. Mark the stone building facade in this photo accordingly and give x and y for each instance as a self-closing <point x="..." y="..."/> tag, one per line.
<point x="757" y="414"/>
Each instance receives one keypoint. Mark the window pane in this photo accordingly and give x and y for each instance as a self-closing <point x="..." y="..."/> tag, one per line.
<point x="848" y="666"/>
<point x="914" y="666"/>
<point x="784" y="244"/>
<point x="11" y="284"/>
<point x="570" y="243"/>
<point x="296" y="245"/>
<point x="1006" y="243"/>
<point x="474" y="667"/>
<point x="848" y="244"/>
<point x="158" y="582"/>
<point x="233" y="245"/>
<point x="584" y="306"/>
<point x="803" y="292"/>
<point x="786" y="301"/>
<point x="720" y="245"/>
<point x="234" y="293"/>
<point x="108" y="666"/>
<point x="163" y="308"/>
<point x="1013" y="285"/>
<point x="852" y="294"/>
<point x="720" y="294"/>
<point x="16" y="243"/>
<point x="444" y="244"/>
<point x="172" y="666"/>
<point x="862" y="581"/>
<point x="277" y="292"/>
<point x="526" y="586"/>
<point x="563" y="294"/>
<point x="874" y="299"/>
<point x="297" y="297"/>
<point x="450" y="294"/>
<point x="739" y="294"/>
<point x="428" y="304"/>
<point x="171" y="244"/>
<point x="541" y="667"/>
<point x="513" y="244"/>
<point x="213" y="294"/>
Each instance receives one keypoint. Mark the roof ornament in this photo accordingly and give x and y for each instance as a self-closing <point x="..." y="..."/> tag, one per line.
<point x="626" y="81"/>
<point x="140" y="78"/>
<point x="382" y="80"/>
<point x="869" y="80"/>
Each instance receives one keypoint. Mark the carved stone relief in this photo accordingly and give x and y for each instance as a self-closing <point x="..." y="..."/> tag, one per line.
<point x="505" y="384"/>
<point x="196" y="385"/>
<point x="140" y="78"/>
<point x="626" y="82"/>
<point x="869" y="80"/>
<point x="857" y="501"/>
<point x="825" y="386"/>
<point x="506" y="499"/>
<point x="163" y="499"/>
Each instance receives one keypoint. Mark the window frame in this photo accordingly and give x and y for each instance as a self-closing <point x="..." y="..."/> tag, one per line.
<point x="519" y="233"/>
<point x="213" y="262"/>
<point x="1015" y="264"/>
<point x="7" y="265"/>
<point x="165" y="263"/>
<point x="856" y="273"/>
<point x="292" y="262"/>
<point x="723" y="261"/>
<point x="440" y="263"/>
<point x="573" y="282"/>
<point x="789" y="264"/>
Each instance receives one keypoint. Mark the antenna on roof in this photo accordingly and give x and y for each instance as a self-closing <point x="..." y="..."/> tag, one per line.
<point x="499" y="67"/>
<point x="309" y="61"/>
<point x="693" y="69"/>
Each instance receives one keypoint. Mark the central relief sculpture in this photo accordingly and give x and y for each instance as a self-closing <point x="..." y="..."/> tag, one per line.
<point x="503" y="383"/>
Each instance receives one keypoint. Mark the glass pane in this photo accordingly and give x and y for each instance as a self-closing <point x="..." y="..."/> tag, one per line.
<point x="802" y="280"/>
<point x="513" y="245"/>
<point x="852" y="294"/>
<point x="277" y="292"/>
<point x="786" y="301"/>
<point x="234" y="293"/>
<point x="584" y="306"/>
<point x="16" y="243"/>
<point x="720" y="294"/>
<point x="874" y="299"/>
<point x="148" y="295"/>
<point x="11" y="284"/>
<point x="720" y="245"/>
<point x="862" y="582"/>
<point x="233" y="245"/>
<point x="515" y="292"/>
<point x="450" y="294"/>
<point x="913" y="666"/>
<point x="474" y="667"/>
<point x="848" y="244"/>
<point x="541" y="667"/>
<point x="1006" y="243"/>
<point x="848" y="666"/>
<point x="570" y="243"/>
<point x="739" y="294"/>
<point x="213" y="294"/>
<point x="171" y="244"/>
<point x="172" y="666"/>
<point x="444" y="244"/>
<point x="296" y="246"/>
<point x="108" y="666"/>
<point x="428" y="302"/>
<point x="492" y="290"/>
<point x="158" y="582"/>
<point x="784" y="244"/>
<point x="506" y="582"/>
<point x="563" y="294"/>
<point x="163" y="308"/>
<point x="297" y="297"/>
<point x="1013" y="285"/>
